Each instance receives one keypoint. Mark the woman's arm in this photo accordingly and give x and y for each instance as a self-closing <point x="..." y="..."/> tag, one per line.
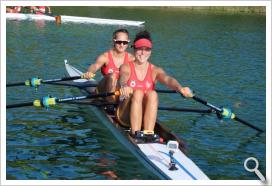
<point x="171" y="82"/>
<point x="93" y="68"/>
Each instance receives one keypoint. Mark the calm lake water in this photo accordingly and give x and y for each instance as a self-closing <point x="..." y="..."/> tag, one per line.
<point x="220" y="56"/>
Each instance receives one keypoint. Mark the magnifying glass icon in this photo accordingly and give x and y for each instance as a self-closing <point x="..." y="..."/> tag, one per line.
<point x="255" y="169"/>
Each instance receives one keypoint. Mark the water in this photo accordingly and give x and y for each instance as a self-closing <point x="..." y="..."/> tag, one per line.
<point x="220" y="56"/>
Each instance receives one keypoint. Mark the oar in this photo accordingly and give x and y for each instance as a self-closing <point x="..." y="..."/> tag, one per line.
<point x="205" y="111"/>
<point x="35" y="82"/>
<point x="225" y="113"/>
<point x="51" y="101"/>
<point x="166" y="91"/>
<point x="185" y="109"/>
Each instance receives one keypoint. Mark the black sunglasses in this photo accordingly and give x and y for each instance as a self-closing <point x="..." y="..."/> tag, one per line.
<point x="121" y="42"/>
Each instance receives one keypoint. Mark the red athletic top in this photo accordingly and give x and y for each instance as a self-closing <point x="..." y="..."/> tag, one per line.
<point x="41" y="10"/>
<point x="18" y="9"/>
<point x="145" y="85"/>
<point x="111" y="67"/>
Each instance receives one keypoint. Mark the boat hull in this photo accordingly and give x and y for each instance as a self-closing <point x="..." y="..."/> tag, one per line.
<point x="73" y="19"/>
<point x="154" y="156"/>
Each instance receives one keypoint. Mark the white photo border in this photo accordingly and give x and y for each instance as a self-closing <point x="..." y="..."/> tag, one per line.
<point x="267" y="4"/>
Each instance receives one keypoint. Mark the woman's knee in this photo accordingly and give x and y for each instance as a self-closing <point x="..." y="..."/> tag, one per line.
<point x="109" y="82"/>
<point x="152" y="96"/>
<point x="137" y="96"/>
<point x="110" y="77"/>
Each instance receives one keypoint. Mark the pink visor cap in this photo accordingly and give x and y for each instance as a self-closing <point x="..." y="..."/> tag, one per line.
<point x="143" y="43"/>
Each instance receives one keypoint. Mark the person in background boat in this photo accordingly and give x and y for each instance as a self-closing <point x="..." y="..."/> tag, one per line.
<point x="139" y="100"/>
<point x="110" y="61"/>
<point x="41" y="10"/>
<point x="14" y="9"/>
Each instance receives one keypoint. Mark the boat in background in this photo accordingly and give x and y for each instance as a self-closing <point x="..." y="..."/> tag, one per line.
<point x="73" y="19"/>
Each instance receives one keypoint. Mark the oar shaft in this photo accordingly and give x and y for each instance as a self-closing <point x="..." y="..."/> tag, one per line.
<point x="20" y="105"/>
<point x="248" y="124"/>
<point x="106" y="94"/>
<point x="185" y="109"/>
<point x="16" y="84"/>
<point x="207" y="104"/>
<point x="165" y="91"/>
<point x="61" y="79"/>
<point x="160" y="107"/>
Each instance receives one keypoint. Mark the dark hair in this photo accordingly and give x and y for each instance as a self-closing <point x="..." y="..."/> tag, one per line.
<point x="143" y="34"/>
<point x="123" y="30"/>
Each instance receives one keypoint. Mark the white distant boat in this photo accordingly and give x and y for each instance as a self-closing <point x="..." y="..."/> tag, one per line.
<point x="75" y="19"/>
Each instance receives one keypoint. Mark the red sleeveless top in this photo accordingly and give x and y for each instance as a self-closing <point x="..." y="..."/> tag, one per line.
<point x="110" y="67"/>
<point x="41" y="10"/>
<point x="145" y="85"/>
<point x="18" y="9"/>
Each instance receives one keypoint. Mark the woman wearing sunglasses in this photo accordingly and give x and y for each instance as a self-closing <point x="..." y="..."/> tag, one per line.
<point x="137" y="81"/>
<point x="110" y="61"/>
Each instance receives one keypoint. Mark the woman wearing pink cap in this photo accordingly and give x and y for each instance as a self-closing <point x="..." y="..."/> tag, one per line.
<point x="110" y="61"/>
<point x="137" y="82"/>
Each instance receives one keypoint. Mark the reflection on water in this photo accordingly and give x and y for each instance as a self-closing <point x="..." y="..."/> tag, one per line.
<point x="221" y="57"/>
<point x="71" y="146"/>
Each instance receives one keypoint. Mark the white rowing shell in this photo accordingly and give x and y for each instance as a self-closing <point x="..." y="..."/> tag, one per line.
<point x="75" y="19"/>
<point x="159" y="155"/>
